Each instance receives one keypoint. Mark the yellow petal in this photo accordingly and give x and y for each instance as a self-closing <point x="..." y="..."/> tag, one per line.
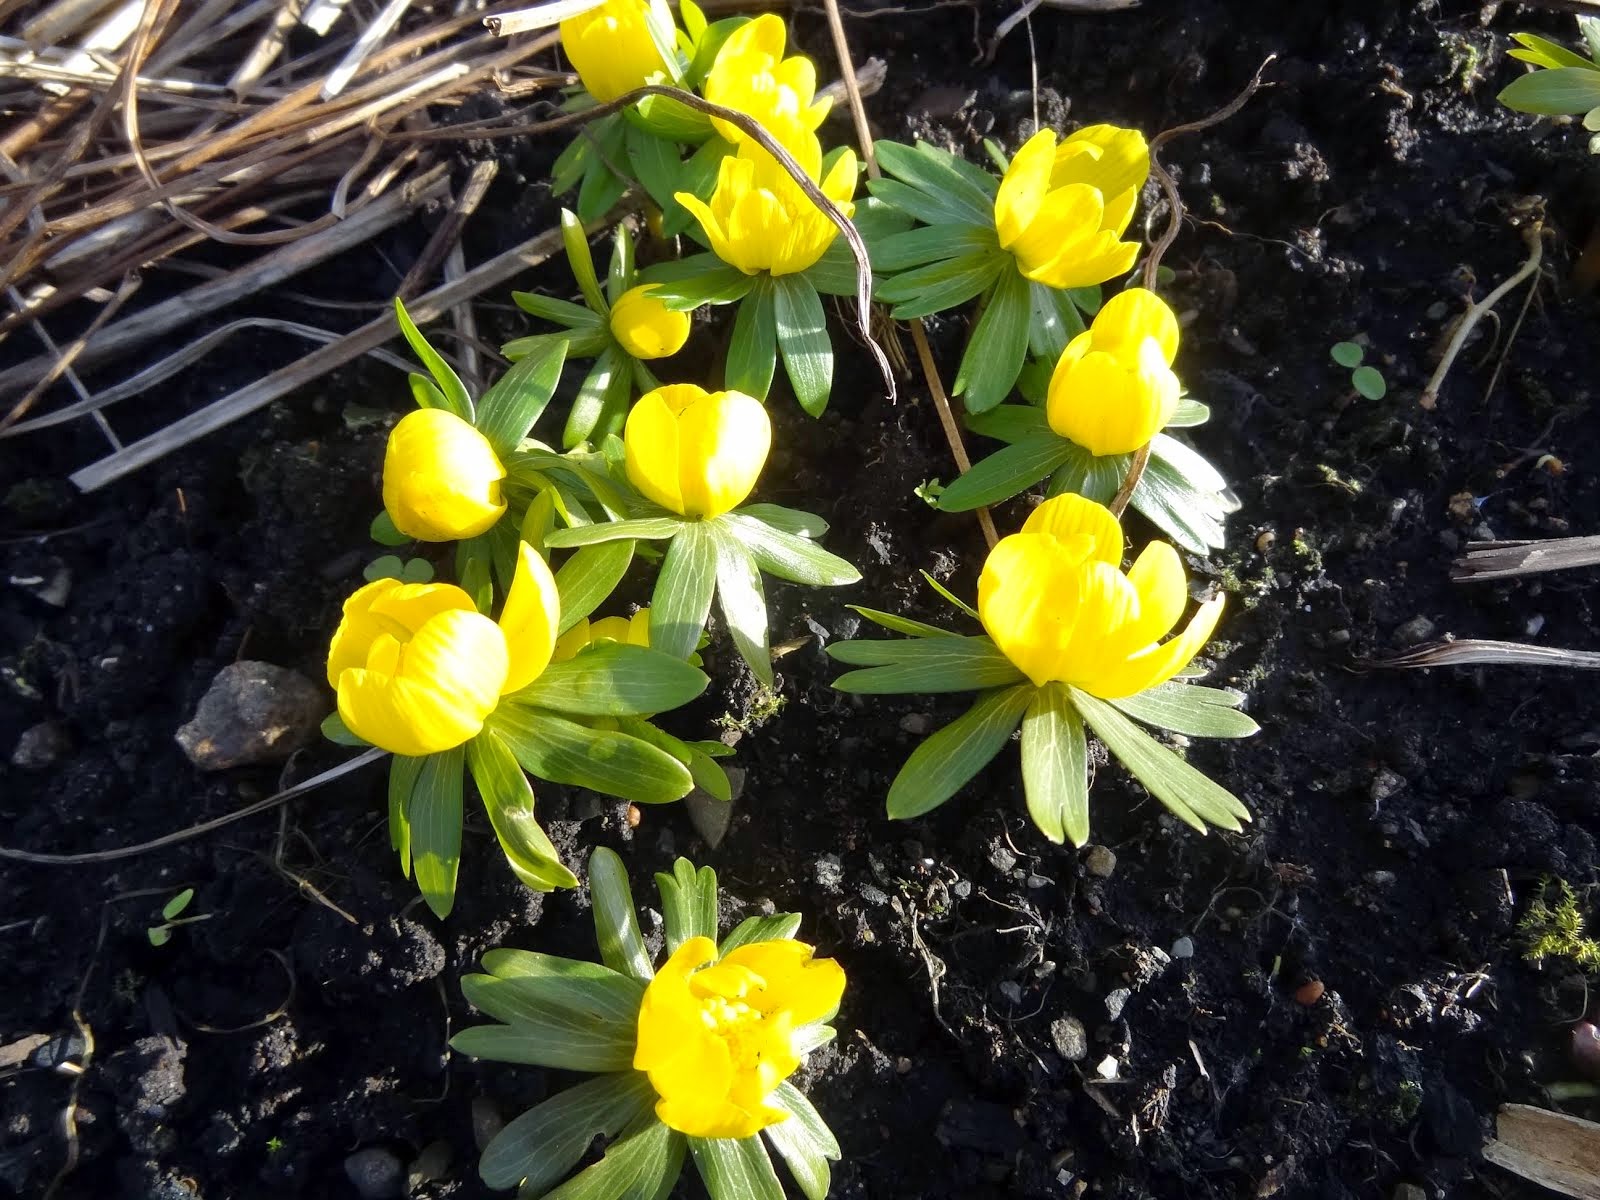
<point x="1066" y="218"/>
<point x="461" y="655"/>
<point x="1027" y="601"/>
<point x="609" y="629"/>
<point x="358" y="629"/>
<point x="1163" y="586"/>
<point x="1160" y="663"/>
<point x="1023" y="188"/>
<point x="639" y="628"/>
<point x="441" y="478"/>
<point x="1092" y="402"/>
<point x="404" y="716"/>
<point x="791" y="980"/>
<point x="1131" y="316"/>
<point x="755" y="226"/>
<point x="709" y="223"/>
<point x="1107" y="605"/>
<point x="1107" y="157"/>
<point x="572" y="641"/>
<point x="650" y="440"/>
<point x="1069" y="514"/>
<point x="1079" y="265"/>
<point x="611" y="47"/>
<point x="723" y="441"/>
<point x="669" y="1017"/>
<point x="407" y="607"/>
<point x="645" y="326"/>
<point x="529" y="621"/>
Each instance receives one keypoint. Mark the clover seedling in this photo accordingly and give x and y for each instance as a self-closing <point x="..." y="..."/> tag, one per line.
<point x="172" y="916"/>
<point x="1367" y="380"/>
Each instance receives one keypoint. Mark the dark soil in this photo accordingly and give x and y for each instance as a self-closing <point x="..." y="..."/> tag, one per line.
<point x="1402" y="820"/>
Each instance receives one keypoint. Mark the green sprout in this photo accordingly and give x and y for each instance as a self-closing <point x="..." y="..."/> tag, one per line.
<point x="172" y="916"/>
<point x="1366" y="379"/>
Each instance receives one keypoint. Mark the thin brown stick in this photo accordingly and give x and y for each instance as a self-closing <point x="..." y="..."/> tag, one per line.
<point x="1486" y="561"/>
<point x="449" y="231"/>
<point x="1533" y="236"/>
<point x="1481" y="652"/>
<point x="63" y="362"/>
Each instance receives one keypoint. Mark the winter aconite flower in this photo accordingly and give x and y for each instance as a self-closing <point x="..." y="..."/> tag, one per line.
<point x="645" y="327"/>
<point x="1113" y="389"/>
<point x="751" y="75"/>
<point x="417" y="668"/>
<point x="1055" y="601"/>
<point x="716" y="1036"/>
<point x="1062" y="209"/>
<point x="695" y="452"/>
<point x="634" y="631"/>
<point x="441" y="478"/>
<point x="611" y="46"/>
<point x="759" y="219"/>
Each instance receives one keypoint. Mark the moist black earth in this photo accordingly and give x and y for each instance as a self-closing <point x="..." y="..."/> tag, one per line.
<point x="1332" y="1004"/>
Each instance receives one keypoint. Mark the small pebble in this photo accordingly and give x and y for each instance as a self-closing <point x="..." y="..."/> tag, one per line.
<point x="1038" y="881"/>
<point x="376" y="1174"/>
<point x="1410" y="1191"/>
<point x="1309" y="993"/>
<point x="254" y="712"/>
<point x="829" y="871"/>
<point x="1385" y="784"/>
<point x="433" y="1163"/>
<point x="1380" y="878"/>
<point x="1183" y="948"/>
<point x="1418" y="629"/>
<point x="1002" y="859"/>
<point x="40" y="746"/>
<point x="915" y="723"/>
<point x="1100" y="862"/>
<point x="1012" y="991"/>
<point x="1107" y="1067"/>
<point x="1116" y="1001"/>
<point x="902" y="1066"/>
<point x="1070" y="1038"/>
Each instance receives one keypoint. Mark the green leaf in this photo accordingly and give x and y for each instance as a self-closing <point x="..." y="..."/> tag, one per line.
<point x="536" y="1150"/>
<point x="1589" y="27"/>
<point x="616" y="926"/>
<point x="948" y="760"/>
<point x="1173" y="500"/>
<point x="776" y="928"/>
<point x="416" y="570"/>
<point x="753" y="350"/>
<point x="649" y="528"/>
<point x="708" y="775"/>
<point x="559" y="312"/>
<point x="796" y="559"/>
<point x="565" y="1022"/>
<point x="620" y="273"/>
<point x="1053" y="321"/>
<point x="601" y="186"/>
<point x="1188" y="414"/>
<point x="385" y="566"/>
<point x="698" y="177"/>
<point x="957" y="197"/>
<point x="943" y="664"/>
<point x="1347" y="354"/>
<point x="643" y="1165"/>
<point x="1190" y="709"/>
<point x="932" y="243"/>
<point x="508" y="799"/>
<point x="1554" y="92"/>
<point x="384" y="533"/>
<point x="657" y="167"/>
<point x="337" y="732"/>
<point x="562" y="751"/>
<point x="451" y="389"/>
<point x="403" y="772"/>
<point x="901" y="624"/>
<point x="743" y="604"/>
<point x="993" y="357"/>
<point x="605" y="390"/>
<point x="615" y="680"/>
<point x="509" y="408"/>
<point x="787" y="520"/>
<point x="803" y="339"/>
<point x="950" y="596"/>
<point x="1369" y="382"/>
<point x="1006" y="472"/>
<point x="581" y="260"/>
<point x="696" y="280"/>
<point x="173" y="909"/>
<point x="425" y="393"/>
<point x="682" y="597"/>
<point x="1009" y="422"/>
<point x="834" y="274"/>
<point x="938" y="287"/>
<point x="1055" y="766"/>
<point x="589" y="577"/>
<point x="435" y="813"/>
<point x="688" y="903"/>
<point x="804" y="1141"/>
<point x="1545" y="53"/>
<point x="1188" y="794"/>
<point x="507" y="963"/>
<point x="735" y="1168"/>
<point x="159" y="935"/>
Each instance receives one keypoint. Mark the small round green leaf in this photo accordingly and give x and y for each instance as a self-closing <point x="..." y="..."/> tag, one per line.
<point x="1369" y="382"/>
<point x="1347" y="354"/>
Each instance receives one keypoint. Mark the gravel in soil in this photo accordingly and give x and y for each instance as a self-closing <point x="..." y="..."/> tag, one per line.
<point x="1331" y="1005"/>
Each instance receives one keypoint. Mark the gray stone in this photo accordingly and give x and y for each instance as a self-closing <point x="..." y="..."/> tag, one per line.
<point x="40" y="746"/>
<point x="830" y="871"/>
<point x="254" y="712"/>
<point x="1116" y="1001"/>
<point x="1183" y="948"/>
<point x="1002" y="859"/>
<point x="1385" y="784"/>
<point x="1100" y="862"/>
<point x="1418" y="629"/>
<point x="376" y="1173"/>
<point x="1409" y="1191"/>
<point x="1070" y="1037"/>
<point x="915" y="723"/>
<point x="1011" y="990"/>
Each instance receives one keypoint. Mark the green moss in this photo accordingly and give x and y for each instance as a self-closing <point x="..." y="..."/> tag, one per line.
<point x="764" y="705"/>
<point x="1556" y="930"/>
<point x="1343" y="483"/>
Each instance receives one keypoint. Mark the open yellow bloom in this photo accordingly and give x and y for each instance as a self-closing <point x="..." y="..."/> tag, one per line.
<point x="1113" y="388"/>
<point x="696" y="452"/>
<point x="716" y="1036"/>
<point x="417" y="668"/>
<point x="441" y="478"/>
<point x="611" y="48"/>
<point x="751" y="75"/>
<point x="1054" y="599"/>
<point x="646" y="327"/>
<point x="634" y="631"/>
<point x="1062" y="210"/>
<point x="760" y="220"/>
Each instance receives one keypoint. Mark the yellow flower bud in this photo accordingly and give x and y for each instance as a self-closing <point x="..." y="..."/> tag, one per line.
<point x="611" y="48"/>
<point x="751" y="75"/>
<point x="1113" y="388"/>
<point x="1055" y="601"/>
<point x="1062" y="209"/>
<point x="696" y="452"/>
<point x="760" y="220"/>
<point x="716" y="1036"/>
<point x="646" y="327"/>
<point x="441" y="478"/>
<point x="417" y="668"/>
<point x="630" y="631"/>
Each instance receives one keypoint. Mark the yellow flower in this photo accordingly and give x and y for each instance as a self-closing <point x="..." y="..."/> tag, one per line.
<point x="417" y="668"/>
<point x="760" y="220"/>
<point x="634" y="631"/>
<point x="751" y="75"/>
<point x="1113" y="388"/>
<point x="696" y="452"/>
<point x="716" y="1036"/>
<point x="1062" y="209"/>
<point x="1056" y="603"/>
<point x="611" y="48"/>
<point x="646" y="327"/>
<point x="441" y="478"/>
